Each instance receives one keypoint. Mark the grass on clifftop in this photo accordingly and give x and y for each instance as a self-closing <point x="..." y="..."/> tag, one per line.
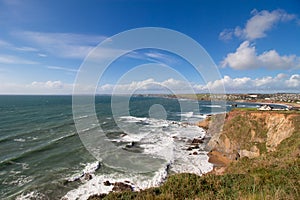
<point x="273" y="175"/>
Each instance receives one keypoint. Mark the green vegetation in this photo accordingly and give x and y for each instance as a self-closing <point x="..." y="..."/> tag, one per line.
<point x="273" y="175"/>
<point x="246" y="109"/>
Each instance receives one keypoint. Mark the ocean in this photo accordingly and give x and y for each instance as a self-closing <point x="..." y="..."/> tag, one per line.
<point x="43" y="157"/>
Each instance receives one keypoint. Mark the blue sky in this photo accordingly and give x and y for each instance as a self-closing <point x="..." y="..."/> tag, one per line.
<point x="255" y="44"/>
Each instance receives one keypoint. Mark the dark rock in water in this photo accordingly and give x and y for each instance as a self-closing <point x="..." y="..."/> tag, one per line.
<point x="123" y="135"/>
<point x="96" y="196"/>
<point x="127" y="181"/>
<point x="190" y="148"/>
<point x="175" y="137"/>
<point x="133" y="147"/>
<point x="194" y="146"/>
<point x="107" y="183"/>
<point x="132" y="144"/>
<point x="195" y="153"/>
<point x="119" y="187"/>
<point x="197" y="141"/>
<point x="88" y="176"/>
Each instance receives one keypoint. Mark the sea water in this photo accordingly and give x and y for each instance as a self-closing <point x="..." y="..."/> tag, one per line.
<point x="42" y="156"/>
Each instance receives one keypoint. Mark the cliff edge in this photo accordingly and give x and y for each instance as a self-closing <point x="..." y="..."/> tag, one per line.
<point x="250" y="133"/>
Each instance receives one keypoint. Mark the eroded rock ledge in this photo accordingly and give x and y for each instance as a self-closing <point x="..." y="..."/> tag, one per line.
<point x="246" y="133"/>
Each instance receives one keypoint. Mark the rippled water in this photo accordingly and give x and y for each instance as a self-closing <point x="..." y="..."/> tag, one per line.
<point x="41" y="153"/>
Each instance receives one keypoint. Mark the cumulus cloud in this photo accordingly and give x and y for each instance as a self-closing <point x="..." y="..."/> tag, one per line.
<point x="267" y="84"/>
<point x="246" y="57"/>
<point x="48" y="84"/>
<point x="279" y="83"/>
<point x="37" y="87"/>
<point x="293" y="81"/>
<point x="257" y="26"/>
<point x="148" y="86"/>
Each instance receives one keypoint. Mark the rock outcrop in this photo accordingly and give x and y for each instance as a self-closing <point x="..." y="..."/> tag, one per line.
<point x="251" y="133"/>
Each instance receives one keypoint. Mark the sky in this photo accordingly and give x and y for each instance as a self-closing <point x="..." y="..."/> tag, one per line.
<point x="254" y="45"/>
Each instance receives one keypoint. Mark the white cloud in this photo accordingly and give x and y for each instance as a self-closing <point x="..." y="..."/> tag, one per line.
<point x="257" y="26"/>
<point x="48" y="84"/>
<point x="246" y="57"/>
<point x="226" y="34"/>
<point x="42" y="55"/>
<point x="155" y="56"/>
<point x="279" y="83"/>
<point x="267" y="84"/>
<point x="67" y="45"/>
<point x="4" y="44"/>
<point x="29" y="49"/>
<point x="271" y="59"/>
<point x="37" y="87"/>
<point x="293" y="81"/>
<point x="9" y="59"/>
<point x="62" y="68"/>
<point x="148" y="86"/>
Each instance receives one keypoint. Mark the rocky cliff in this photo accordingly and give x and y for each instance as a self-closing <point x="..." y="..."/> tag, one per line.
<point x="249" y="134"/>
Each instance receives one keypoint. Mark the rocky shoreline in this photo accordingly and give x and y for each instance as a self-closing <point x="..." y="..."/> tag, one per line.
<point x="245" y="134"/>
<point x="190" y="146"/>
<point x="221" y="146"/>
<point x="212" y="125"/>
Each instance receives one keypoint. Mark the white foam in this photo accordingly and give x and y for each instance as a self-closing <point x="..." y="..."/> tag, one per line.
<point x="96" y="185"/>
<point x="20" y="140"/>
<point x="62" y="137"/>
<point x="212" y="106"/>
<point x="31" y="195"/>
<point x="161" y="138"/>
<point x="186" y="114"/>
<point x="133" y="119"/>
<point x="22" y="180"/>
<point x="200" y="116"/>
<point x="89" y="168"/>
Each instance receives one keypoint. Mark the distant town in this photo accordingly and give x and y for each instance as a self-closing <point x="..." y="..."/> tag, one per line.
<point x="271" y="98"/>
<point x="289" y="99"/>
<point x="277" y="97"/>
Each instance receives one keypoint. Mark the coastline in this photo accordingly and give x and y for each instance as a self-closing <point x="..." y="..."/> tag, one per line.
<point x="262" y="162"/>
<point x="218" y="159"/>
